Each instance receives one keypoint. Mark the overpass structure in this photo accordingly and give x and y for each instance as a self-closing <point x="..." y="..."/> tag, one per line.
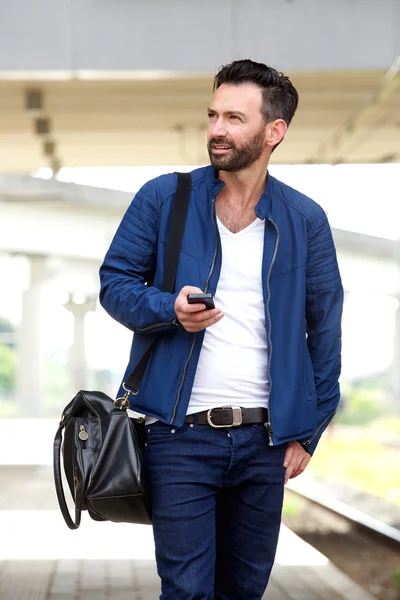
<point x="128" y="83"/>
<point x="65" y="229"/>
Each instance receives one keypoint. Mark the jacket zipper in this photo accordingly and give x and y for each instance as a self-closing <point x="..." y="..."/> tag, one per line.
<point x="268" y="424"/>
<point x="195" y="335"/>
<point x="307" y="444"/>
<point x="155" y="326"/>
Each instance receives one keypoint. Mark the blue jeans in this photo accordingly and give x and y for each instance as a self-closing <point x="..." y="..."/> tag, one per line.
<point x="217" y="500"/>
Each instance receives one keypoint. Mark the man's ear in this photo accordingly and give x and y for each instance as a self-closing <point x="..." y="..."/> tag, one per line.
<point x="275" y="132"/>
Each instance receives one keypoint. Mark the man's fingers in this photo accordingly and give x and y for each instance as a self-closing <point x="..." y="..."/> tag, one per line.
<point x="182" y="305"/>
<point x="206" y="315"/>
<point x="292" y="468"/>
<point x="296" y="468"/>
<point x="208" y="322"/>
<point x="296" y="473"/>
<point x="289" y="470"/>
<point x="190" y="289"/>
<point x="296" y="460"/>
<point x="200" y="316"/>
<point x="301" y="468"/>
<point x="189" y="309"/>
<point x="288" y="455"/>
<point x="212" y="320"/>
<point x="290" y="473"/>
<point x="195" y="325"/>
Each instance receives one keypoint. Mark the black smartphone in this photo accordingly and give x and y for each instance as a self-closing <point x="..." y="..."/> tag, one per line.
<point x="206" y="299"/>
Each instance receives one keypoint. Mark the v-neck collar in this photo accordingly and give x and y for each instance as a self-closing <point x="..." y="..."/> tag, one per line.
<point x="242" y="231"/>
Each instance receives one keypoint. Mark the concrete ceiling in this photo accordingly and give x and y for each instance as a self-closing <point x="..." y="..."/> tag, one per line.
<point x="342" y="117"/>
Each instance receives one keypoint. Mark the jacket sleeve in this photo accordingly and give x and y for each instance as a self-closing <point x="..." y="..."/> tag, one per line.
<point x="324" y="303"/>
<point x="130" y="258"/>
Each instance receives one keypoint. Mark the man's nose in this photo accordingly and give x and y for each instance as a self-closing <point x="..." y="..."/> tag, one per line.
<point x="218" y="129"/>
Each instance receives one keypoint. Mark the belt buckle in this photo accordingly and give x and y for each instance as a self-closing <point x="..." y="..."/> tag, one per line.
<point x="236" y="417"/>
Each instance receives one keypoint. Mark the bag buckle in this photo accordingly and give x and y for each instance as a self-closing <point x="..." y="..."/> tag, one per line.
<point x="124" y="400"/>
<point x="236" y="416"/>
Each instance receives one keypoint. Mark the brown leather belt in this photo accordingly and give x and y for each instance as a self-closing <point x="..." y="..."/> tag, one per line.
<point x="230" y="416"/>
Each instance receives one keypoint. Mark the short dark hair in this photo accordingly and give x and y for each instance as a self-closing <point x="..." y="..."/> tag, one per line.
<point x="279" y="96"/>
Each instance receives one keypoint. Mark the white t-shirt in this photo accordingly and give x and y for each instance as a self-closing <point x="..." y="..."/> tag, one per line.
<point x="232" y="368"/>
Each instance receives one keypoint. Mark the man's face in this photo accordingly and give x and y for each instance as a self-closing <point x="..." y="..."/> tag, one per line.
<point x="236" y="129"/>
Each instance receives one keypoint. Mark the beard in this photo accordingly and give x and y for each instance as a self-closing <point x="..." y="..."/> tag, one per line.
<point x="237" y="159"/>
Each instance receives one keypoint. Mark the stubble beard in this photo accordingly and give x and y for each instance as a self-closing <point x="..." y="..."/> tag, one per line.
<point x="238" y="159"/>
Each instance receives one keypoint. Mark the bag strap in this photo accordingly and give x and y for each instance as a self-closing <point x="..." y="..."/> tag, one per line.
<point x="174" y="245"/>
<point x="176" y="231"/>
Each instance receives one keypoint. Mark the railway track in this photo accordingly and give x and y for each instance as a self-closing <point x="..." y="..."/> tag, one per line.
<point x="371" y="526"/>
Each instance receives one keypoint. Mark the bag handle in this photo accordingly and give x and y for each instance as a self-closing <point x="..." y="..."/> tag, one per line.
<point x="174" y="245"/>
<point x="58" y="482"/>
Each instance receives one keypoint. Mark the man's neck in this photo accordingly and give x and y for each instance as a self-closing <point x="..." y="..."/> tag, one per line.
<point x="245" y="187"/>
<point x="237" y="200"/>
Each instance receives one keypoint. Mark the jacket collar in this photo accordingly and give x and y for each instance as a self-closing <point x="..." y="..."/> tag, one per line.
<point x="215" y="184"/>
<point x="264" y="205"/>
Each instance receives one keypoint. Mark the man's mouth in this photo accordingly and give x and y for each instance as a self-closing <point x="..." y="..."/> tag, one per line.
<point x="220" y="147"/>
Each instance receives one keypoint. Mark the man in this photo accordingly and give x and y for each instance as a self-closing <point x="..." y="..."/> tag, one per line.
<point x="271" y="346"/>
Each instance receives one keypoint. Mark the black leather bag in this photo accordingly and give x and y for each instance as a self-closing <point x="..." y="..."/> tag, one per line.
<point x="102" y="446"/>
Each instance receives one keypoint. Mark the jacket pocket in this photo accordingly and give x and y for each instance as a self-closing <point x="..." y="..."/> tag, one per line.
<point x="308" y="375"/>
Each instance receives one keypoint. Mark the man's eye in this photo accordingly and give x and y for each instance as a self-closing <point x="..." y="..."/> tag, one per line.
<point x="211" y="115"/>
<point x="235" y="117"/>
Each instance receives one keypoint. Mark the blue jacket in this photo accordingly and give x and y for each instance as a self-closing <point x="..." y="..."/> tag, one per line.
<point x="302" y="290"/>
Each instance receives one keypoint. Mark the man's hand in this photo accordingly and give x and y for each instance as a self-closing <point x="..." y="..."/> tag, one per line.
<point x="296" y="460"/>
<point x="194" y="317"/>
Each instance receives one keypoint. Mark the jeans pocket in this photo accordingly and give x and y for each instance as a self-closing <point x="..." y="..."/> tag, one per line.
<point x="158" y="433"/>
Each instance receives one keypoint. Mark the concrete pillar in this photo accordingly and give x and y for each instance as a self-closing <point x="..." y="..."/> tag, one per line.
<point x="79" y="374"/>
<point x="30" y="369"/>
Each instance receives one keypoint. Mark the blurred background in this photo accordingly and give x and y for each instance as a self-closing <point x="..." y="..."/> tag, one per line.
<point x="97" y="97"/>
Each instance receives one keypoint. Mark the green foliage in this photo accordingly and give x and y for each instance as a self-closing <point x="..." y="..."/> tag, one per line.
<point x="395" y="577"/>
<point x="8" y="408"/>
<point x="7" y="368"/>
<point x="6" y="326"/>
<point x="355" y="458"/>
<point x="292" y="505"/>
<point x="361" y="406"/>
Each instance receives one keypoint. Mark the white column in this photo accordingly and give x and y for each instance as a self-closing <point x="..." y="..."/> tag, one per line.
<point x="30" y="369"/>
<point x="79" y="375"/>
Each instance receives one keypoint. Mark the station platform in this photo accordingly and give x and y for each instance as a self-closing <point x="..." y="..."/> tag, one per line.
<point x="41" y="559"/>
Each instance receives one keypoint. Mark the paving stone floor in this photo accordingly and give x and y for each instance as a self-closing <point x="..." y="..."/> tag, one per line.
<point x="41" y="559"/>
